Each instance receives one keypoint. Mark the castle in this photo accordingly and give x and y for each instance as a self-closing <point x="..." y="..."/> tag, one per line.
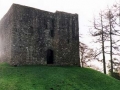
<point x="30" y="36"/>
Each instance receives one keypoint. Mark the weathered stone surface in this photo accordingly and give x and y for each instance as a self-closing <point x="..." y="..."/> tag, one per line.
<point x="29" y="36"/>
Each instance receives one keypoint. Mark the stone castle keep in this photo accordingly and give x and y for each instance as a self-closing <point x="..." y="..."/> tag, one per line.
<point x="30" y="36"/>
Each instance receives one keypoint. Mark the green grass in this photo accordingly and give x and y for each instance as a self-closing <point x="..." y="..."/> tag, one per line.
<point x="54" y="78"/>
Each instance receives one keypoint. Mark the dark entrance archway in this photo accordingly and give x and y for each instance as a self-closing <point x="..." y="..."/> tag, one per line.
<point x="50" y="56"/>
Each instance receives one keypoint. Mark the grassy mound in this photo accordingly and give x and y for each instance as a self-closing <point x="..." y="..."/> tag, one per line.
<point x="54" y="78"/>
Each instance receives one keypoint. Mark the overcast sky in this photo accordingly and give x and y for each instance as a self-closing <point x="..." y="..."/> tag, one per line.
<point x="84" y="8"/>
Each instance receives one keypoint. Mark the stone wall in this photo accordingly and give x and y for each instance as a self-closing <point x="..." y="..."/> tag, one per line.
<point x="6" y="27"/>
<point x="67" y="46"/>
<point x="33" y="33"/>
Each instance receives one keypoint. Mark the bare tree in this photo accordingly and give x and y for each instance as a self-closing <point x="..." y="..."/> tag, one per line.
<point x="99" y="32"/>
<point x="83" y="49"/>
<point x="112" y="16"/>
<point x="108" y="29"/>
<point x="86" y="54"/>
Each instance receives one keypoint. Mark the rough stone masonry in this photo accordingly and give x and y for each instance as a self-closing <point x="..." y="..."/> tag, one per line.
<point x="30" y="36"/>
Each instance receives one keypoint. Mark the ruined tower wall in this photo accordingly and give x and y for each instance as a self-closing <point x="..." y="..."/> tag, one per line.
<point x="67" y="37"/>
<point x="28" y="34"/>
<point x="31" y="32"/>
<point x="6" y="27"/>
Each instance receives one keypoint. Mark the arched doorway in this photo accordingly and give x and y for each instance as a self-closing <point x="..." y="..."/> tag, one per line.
<point x="50" y="56"/>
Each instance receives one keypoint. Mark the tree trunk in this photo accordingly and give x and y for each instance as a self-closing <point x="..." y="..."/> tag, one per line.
<point x="111" y="44"/>
<point x="82" y="59"/>
<point x="103" y="50"/>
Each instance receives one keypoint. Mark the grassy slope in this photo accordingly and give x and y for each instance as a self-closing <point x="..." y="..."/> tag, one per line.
<point x="54" y="78"/>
